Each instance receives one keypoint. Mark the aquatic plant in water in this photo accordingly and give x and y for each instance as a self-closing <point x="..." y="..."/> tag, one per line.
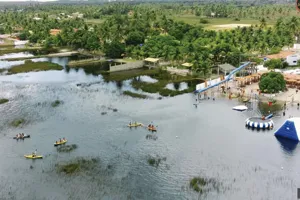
<point x="78" y="165"/>
<point x="155" y="161"/>
<point x="203" y="185"/>
<point x="17" y="122"/>
<point x="56" y="103"/>
<point x="2" y="101"/>
<point x="67" y="148"/>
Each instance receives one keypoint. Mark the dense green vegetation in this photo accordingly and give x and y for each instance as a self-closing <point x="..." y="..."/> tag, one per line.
<point x="2" y="101"/>
<point x="159" y="30"/>
<point x="276" y="64"/>
<point x="272" y="82"/>
<point x="29" y="66"/>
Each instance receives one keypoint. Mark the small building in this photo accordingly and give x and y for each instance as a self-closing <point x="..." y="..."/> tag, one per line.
<point x="292" y="59"/>
<point x="55" y="31"/>
<point x="225" y="68"/>
<point x="151" y="62"/>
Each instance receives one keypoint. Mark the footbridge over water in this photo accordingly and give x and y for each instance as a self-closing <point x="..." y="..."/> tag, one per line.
<point x="227" y="78"/>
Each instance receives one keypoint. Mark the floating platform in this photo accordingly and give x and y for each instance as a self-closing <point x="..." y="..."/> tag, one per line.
<point x="240" y="108"/>
<point x="259" y="123"/>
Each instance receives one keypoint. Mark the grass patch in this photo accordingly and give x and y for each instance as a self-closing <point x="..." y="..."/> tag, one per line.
<point x="17" y="122"/>
<point x="67" y="148"/>
<point x="125" y="75"/>
<point x="202" y="185"/>
<point x="155" y="161"/>
<point x="2" y="101"/>
<point x="56" y="103"/>
<point x="84" y="62"/>
<point x="29" y="66"/>
<point x="135" y="95"/>
<point x="16" y="50"/>
<point x="77" y="165"/>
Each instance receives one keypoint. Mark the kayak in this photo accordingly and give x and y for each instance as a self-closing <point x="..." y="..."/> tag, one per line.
<point x="135" y="125"/>
<point x="33" y="157"/>
<point x="60" y="143"/>
<point x="152" y="129"/>
<point x="25" y="136"/>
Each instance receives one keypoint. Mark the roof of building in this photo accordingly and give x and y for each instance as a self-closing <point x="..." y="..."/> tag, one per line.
<point x="154" y="60"/>
<point x="226" y="67"/>
<point x="54" y="31"/>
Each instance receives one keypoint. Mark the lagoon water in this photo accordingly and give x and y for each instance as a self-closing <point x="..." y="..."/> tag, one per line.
<point x="211" y="142"/>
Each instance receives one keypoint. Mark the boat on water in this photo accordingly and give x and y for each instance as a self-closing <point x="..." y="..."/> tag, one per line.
<point x="60" y="143"/>
<point x="33" y="156"/>
<point x="21" y="137"/>
<point x="135" y="125"/>
<point x="152" y="129"/>
<point x="240" y="108"/>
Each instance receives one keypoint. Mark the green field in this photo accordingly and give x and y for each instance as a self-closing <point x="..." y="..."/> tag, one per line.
<point x="214" y="22"/>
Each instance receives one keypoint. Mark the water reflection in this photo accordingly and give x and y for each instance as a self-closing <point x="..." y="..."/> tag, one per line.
<point x="147" y="79"/>
<point x="16" y="55"/>
<point x="177" y="86"/>
<point x="288" y="146"/>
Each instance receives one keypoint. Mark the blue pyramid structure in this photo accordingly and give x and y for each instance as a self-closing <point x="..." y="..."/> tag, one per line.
<point x="290" y="129"/>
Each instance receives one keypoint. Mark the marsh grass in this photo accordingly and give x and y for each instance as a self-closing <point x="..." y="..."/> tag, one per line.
<point x="30" y="66"/>
<point x="135" y="95"/>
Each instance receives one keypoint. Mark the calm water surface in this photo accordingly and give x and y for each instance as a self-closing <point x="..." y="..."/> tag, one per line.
<point x="211" y="142"/>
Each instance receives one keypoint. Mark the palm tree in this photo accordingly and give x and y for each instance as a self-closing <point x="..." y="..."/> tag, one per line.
<point x="263" y="23"/>
<point x="294" y="26"/>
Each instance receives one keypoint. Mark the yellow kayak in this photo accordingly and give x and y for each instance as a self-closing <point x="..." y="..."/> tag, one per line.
<point x="135" y="125"/>
<point x="60" y="143"/>
<point x="33" y="157"/>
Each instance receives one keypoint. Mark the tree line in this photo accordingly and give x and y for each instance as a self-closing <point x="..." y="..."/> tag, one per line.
<point x="144" y="30"/>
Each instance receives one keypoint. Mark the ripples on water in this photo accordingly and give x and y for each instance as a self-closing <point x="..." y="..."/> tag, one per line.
<point x="212" y="142"/>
